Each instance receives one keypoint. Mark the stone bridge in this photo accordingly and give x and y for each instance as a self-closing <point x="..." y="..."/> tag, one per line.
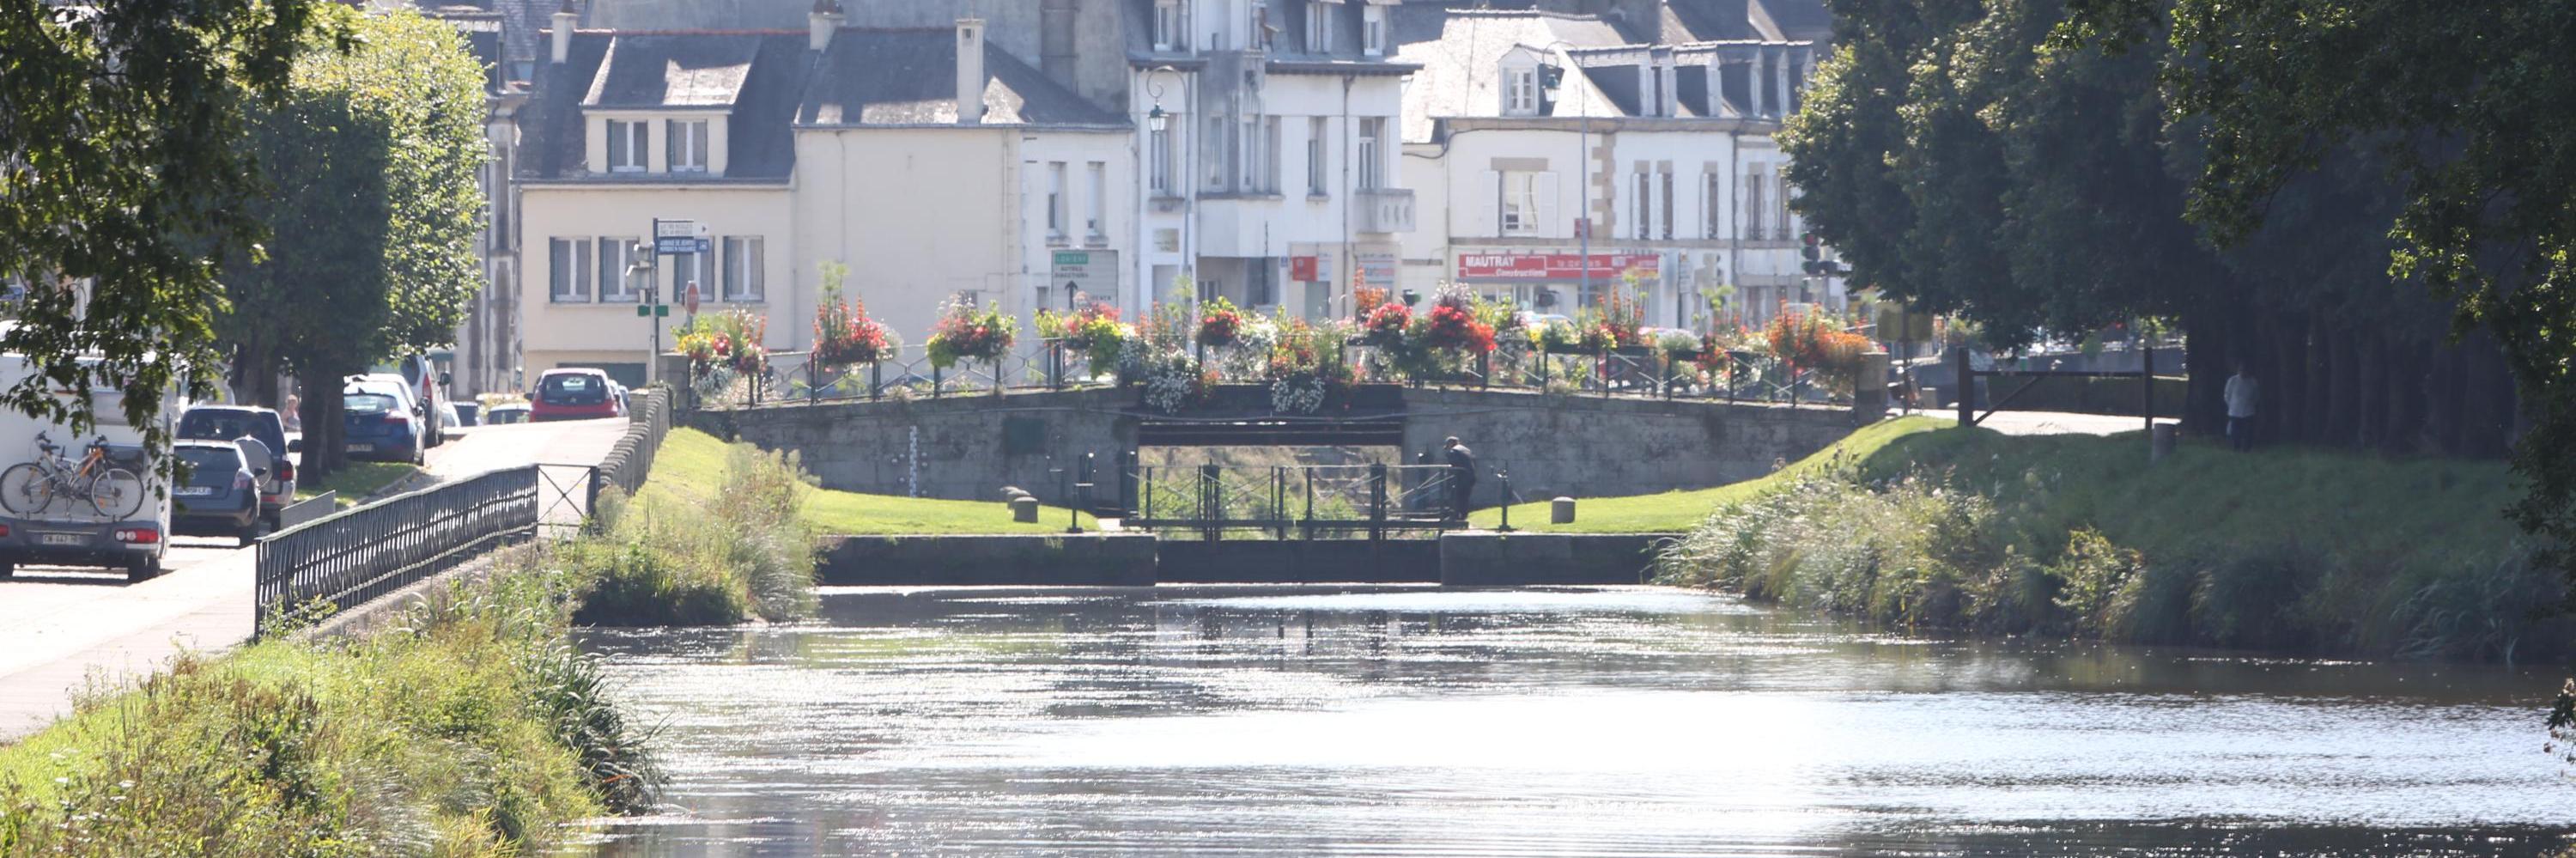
<point x="969" y="446"/>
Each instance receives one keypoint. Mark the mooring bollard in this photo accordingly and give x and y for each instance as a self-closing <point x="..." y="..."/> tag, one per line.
<point x="1024" y="509"/>
<point x="1560" y="511"/>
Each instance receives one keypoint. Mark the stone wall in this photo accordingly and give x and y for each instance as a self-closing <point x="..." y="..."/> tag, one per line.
<point x="970" y="446"/>
<point x="952" y="447"/>
<point x="1605" y="447"/>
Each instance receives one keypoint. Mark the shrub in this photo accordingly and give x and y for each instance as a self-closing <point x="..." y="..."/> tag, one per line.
<point x="2252" y="597"/>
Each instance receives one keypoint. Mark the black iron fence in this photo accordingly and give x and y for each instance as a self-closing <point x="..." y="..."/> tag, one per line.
<point x="363" y="553"/>
<point x="1280" y="501"/>
<point x="1634" y="372"/>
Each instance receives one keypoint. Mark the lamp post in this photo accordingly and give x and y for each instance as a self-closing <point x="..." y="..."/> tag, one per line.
<point x="1158" y="120"/>
<point x="643" y="269"/>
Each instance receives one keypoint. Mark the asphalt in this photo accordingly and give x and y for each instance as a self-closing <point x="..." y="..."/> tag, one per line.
<point x="66" y="629"/>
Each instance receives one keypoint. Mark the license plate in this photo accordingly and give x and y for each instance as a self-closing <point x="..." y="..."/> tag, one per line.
<point x="195" y="491"/>
<point x="362" y="448"/>
<point x="64" y="539"/>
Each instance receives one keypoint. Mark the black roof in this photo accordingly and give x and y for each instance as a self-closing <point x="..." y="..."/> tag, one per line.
<point x="755" y="77"/>
<point x="909" y="77"/>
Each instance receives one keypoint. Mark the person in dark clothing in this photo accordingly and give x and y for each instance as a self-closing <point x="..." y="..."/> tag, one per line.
<point x="1462" y="477"/>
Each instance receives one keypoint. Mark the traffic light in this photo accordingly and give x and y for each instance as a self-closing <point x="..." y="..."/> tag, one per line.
<point x="1812" y="249"/>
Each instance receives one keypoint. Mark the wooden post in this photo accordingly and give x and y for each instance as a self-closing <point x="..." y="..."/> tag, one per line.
<point x="1377" y="502"/>
<point x="1967" y="383"/>
<point x="2147" y="383"/>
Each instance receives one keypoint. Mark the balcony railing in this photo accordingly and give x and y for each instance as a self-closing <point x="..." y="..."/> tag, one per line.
<point x="1383" y="210"/>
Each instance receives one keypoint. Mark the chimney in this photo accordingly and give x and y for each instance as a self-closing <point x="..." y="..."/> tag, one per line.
<point x="822" y="23"/>
<point x="565" y="18"/>
<point x="970" y="71"/>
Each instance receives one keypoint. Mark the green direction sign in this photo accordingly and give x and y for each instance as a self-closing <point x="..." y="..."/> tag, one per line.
<point x="654" y="310"/>
<point x="1073" y="257"/>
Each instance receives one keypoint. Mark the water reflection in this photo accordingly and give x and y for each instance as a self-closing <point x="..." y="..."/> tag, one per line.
<point x="1617" y="721"/>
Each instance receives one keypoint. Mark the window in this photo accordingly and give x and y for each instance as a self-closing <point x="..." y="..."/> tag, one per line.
<point x="1258" y="290"/>
<point x="614" y="255"/>
<point x="1056" y="214"/>
<point x="1257" y="24"/>
<point x="1372" y="166"/>
<point x="1315" y="157"/>
<point x="1159" y="171"/>
<point x="1520" y="214"/>
<point x="1210" y="288"/>
<point x="1212" y="150"/>
<point x="1710" y="204"/>
<point x="1781" y="200"/>
<point x="746" y="273"/>
<point x="1249" y="162"/>
<point x="1373" y="30"/>
<point x="1319" y="26"/>
<point x="1171" y="31"/>
<point x="1520" y="92"/>
<point x="1751" y="228"/>
<point x="1095" y="201"/>
<point x="571" y="269"/>
<point x="1261" y="154"/>
<point x="687" y="268"/>
<point x="688" y="146"/>
<point x="1668" y="206"/>
<point x="1644" y="208"/>
<point x="627" y="150"/>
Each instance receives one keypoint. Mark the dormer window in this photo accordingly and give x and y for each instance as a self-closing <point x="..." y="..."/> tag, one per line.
<point x="1170" y="28"/>
<point x="629" y="149"/>
<point x="1319" y="26"/>
<point x="1373" y="30"/>
<point x="688" y="145"/>
<point x="1520" y="90"/>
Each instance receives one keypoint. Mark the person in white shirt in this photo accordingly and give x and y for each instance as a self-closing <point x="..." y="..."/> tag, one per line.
<point x="2243" y="395"/>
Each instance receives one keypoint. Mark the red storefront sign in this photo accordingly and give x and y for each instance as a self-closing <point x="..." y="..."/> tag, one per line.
<point x="1302" y="269"/>
<point x="1552" y="266"/>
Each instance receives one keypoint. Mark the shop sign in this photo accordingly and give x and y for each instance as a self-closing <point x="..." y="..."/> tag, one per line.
<point x="1552" y="266"/>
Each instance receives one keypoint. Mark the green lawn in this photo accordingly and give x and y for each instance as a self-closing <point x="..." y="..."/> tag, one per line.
<point x="1674" y="512"/>
<point x="357" y="480"/>
<point x="691" y="465"/>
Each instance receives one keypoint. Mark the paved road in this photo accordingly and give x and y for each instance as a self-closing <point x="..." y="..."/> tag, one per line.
<point x="2052" y="422"/>
<point x="59" y="627"/>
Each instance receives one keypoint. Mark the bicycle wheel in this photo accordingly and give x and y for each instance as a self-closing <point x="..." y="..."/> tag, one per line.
<point x="117" y="493"/>
<point x="25" y="490"/>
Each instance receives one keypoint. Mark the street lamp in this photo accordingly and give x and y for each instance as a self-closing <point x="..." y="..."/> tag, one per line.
<point x="642" y="269"/>
<point x="1582" y="156"/>
<point x="1159" y="119"/>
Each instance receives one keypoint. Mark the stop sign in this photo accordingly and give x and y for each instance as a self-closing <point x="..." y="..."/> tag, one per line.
<point x="691" y="302"/>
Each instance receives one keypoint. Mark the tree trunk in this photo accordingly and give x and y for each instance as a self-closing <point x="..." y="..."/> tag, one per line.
<point x="2205" y="356"/>
<point x="2405" y="400"/>
<point x="2445" y="414"/>
<point x="2342" y="420"/>
<point x="2284" y="386"/>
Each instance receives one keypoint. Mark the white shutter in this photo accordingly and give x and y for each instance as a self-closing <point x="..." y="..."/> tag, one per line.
<point x="1490" y="184"/>
<point x="1547" y="224"/>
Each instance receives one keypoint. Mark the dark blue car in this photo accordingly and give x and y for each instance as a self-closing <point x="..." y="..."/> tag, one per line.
<point x="378" y="427"/>
<point x="220" y="493"/>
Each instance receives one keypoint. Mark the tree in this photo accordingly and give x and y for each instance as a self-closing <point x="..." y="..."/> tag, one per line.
<point x="122" y="185"/>
<point x="374" y="212"/>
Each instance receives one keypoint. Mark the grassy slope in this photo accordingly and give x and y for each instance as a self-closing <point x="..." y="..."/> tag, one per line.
<point x="691" y="464"/>
<point x="357" y="480"/>
<point x="2396" y="514"/>
<point x="1673" y="512"/>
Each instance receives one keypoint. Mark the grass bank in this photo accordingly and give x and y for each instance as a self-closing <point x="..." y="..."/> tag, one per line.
<point x="2080" y="536"/>
<point x="474" y="729"/>
<point x="715" y="537"/>
<point x="690" y="467"/>
<point x="1674" y="512"/>
<point x="356" y="480"/>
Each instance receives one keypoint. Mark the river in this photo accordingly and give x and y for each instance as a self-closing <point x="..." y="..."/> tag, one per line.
<point x="1544" y="722"/>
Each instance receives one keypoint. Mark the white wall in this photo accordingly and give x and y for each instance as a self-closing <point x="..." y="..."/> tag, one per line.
<point x="554" y="333"/>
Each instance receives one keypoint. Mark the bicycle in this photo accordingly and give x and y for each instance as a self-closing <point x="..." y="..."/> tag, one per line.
<point x="28" y="488"/>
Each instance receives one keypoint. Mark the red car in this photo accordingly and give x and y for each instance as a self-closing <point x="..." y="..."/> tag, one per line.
<point x="572" y="394"/>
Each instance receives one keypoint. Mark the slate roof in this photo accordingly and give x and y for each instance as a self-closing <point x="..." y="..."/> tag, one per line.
<point x="909" y="77"/>
<point x="1793" y="20"/>
<point x="1461" y="64"/>
<point x="1707" y="21"/>
<point x="676" y="70"/>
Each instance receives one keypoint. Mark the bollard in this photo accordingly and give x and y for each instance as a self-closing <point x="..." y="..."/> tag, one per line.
<point x="1560" y="511"/>
<point x="2162" y="441"/>
<point x="1024" y="509"/>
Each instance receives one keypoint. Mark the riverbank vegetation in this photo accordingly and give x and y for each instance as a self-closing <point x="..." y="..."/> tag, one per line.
<point x="2080" y="536"/>
<point x="691" y="463"/>
<point x="473" y="728"/>
<point x="714" y="538"/>
<point x="1675" y="512"/>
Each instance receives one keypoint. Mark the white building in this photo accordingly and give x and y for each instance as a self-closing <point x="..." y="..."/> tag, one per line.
<point x="1564" y="150"/>
<point x="1267" y="171"/>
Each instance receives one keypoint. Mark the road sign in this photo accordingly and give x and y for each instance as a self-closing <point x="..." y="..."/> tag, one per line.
<point x="659" y="311"/>
<point x="691" y="302"/>
<point x="672" y="237"/>
<point x="1093" y="271"/>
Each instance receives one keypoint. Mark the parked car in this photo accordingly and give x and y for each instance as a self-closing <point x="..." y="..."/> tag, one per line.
<point x="505" y="413"/>
<point x="229" y="422"/>
<point x="572" y="394"/>
<point x="447" y="418"/>
<point x="428" y="388"/>
<point x="378" y="423"/>
<point x="219" y="494"/>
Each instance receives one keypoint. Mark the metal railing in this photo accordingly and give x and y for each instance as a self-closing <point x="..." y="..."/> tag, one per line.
<point x="1278" y="501"/>
<point x="347" y="559"/>
<point x="1634" y="372"/>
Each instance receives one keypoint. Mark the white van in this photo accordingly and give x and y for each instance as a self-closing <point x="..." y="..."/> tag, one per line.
<point x="71" y="531"/>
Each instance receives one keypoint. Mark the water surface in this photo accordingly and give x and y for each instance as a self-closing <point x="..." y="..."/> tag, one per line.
<point x="1545" y="722"/>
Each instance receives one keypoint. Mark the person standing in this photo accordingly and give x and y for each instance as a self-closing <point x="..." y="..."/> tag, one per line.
<point x="2244" y="395"/>
<point x="1462" y="477"/>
